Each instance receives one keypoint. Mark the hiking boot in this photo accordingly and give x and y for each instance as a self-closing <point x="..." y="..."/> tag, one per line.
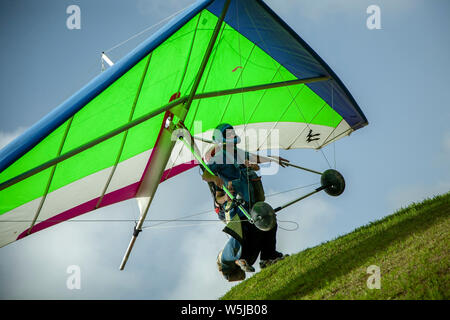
<point x="245" y="266"/>
<point x="265" y="263"/>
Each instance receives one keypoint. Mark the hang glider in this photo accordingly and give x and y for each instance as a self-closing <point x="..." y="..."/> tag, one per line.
<point x="231" y="61"/>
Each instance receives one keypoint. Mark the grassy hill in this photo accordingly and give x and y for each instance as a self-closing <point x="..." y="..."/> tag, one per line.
<point x="411" y="248"/>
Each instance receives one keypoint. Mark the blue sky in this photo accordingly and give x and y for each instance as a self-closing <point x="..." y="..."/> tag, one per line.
<point x="398" y="75"/>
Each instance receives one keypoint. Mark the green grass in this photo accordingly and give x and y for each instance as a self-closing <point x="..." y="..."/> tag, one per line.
<point x="411" y="248"/>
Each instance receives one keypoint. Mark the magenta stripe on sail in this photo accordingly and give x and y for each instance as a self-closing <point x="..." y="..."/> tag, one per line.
<point x="110" y="198"/>
<point x="169" y="173"/>
<point x="119" y="195"/>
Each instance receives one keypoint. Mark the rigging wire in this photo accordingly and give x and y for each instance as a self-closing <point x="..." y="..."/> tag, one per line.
<point x="165" y="221"/>
<point x="297" y="226"/>
<point x="146" y="30"/>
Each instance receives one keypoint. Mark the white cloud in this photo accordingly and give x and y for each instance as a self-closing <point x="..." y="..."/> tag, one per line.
<point x="404" y="196"/>
<point x="7" y="137"/>
<point x="35" y="267"/>
<point x="200" y="276"/>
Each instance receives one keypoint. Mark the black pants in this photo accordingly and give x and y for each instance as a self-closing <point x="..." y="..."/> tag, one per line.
<point x="257" y="242"/>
